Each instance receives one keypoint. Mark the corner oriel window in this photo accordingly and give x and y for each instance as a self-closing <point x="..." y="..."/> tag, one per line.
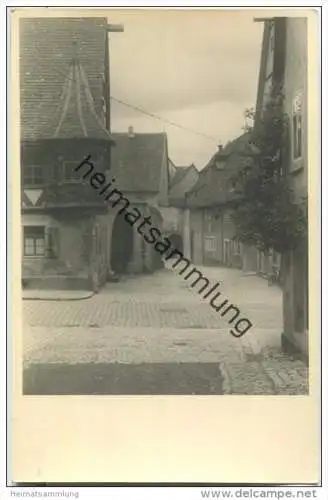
<point x="297" y="127"/>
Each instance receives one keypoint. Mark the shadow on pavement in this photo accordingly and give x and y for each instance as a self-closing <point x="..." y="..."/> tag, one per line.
<point x="116" y="378"/>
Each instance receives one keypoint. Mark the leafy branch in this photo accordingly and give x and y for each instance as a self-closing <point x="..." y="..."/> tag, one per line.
<point x="266" y="214"/>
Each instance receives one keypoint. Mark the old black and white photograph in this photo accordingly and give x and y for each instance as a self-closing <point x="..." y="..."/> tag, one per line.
<point x="164" y="203"/>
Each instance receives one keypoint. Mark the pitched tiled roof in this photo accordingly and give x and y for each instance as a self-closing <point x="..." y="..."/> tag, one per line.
<point x="136" y="162"/>
<point x="182" y="183"/>
<point x="214" y="184"/>
<point x="180" y="172"/>
<point x="46" y="50"/>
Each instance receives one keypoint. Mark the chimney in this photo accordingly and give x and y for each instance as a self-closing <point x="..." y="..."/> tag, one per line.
<point x="220" y="147"/>
<point x="130" y="132"/>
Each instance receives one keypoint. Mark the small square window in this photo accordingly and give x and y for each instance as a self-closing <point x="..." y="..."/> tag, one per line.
<point x="210" y="244"/>
<point x="34" y="240"/>
<point x="29" y="246"/>
<point x="39" y="246"/>
<point x="33" y="175"/>
<point x="69" y="171"/>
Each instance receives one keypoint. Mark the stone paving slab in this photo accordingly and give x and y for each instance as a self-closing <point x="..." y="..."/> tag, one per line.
<point x="162" y="300"/>
<point x="100" y="312"/>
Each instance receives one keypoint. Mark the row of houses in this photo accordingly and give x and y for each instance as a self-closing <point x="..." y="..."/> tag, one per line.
<point x="210" y="202"/>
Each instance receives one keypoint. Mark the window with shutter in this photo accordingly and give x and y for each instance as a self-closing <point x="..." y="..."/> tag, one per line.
<point x="86" y="241"/>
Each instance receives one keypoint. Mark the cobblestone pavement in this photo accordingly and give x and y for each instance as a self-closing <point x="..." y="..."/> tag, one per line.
<point x="154" y="334"/>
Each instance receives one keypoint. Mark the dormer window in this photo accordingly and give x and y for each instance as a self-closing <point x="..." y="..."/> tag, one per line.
<point x="220" y="164"/>
<point x="233" y="185"/>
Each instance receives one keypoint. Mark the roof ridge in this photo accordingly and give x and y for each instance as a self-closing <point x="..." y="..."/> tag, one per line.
<point x="139" y="133"/>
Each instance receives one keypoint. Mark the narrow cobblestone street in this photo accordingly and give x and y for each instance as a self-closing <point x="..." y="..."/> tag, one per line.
<point x="156" y="335"/>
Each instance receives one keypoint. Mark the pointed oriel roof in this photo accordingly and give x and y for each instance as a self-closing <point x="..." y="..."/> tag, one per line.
<point x="77" y="117"/>
<point x="48" y="59"/>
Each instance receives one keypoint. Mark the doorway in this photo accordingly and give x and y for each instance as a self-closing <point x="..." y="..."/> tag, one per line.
<point x="301" y="287"/>
<point x="121" y="244"/>
<point x="226" y="252"/>
<point x="176" y="242"/>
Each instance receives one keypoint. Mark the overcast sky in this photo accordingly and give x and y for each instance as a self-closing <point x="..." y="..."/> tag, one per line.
<point x="199" y="69"/>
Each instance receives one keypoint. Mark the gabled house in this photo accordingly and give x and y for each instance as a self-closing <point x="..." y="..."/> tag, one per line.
<point x="63" y="119"/>
<point x="176" y="225"/>
<point x="140" y="167"/>
<point x="183" y="180"/>
<point x="72" y="237"/>
<point x="211" y="202"/>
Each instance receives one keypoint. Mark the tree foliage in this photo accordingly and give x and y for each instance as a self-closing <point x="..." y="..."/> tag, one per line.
<point x="266" y="214"/>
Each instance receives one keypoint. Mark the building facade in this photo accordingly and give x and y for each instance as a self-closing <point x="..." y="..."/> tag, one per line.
<point x="176" y="216"/>
<point x="211" y="203"/>
<point x="63" y="117"/>
<point x="296" y="285"/>
<point x="140" y="167"/>
<point x="285" y="45"/>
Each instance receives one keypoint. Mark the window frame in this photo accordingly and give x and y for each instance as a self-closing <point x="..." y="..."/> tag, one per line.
<point x="30" y="180"/>
<point x="36" y="236"/>
<point x="65" y="178"/>
<point x="209" y="221"/>
<point x="210" y="244"/>
<point x="220" y="164"/>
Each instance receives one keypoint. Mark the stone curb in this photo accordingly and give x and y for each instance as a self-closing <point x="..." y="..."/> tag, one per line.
<point x="59" y="299"/>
